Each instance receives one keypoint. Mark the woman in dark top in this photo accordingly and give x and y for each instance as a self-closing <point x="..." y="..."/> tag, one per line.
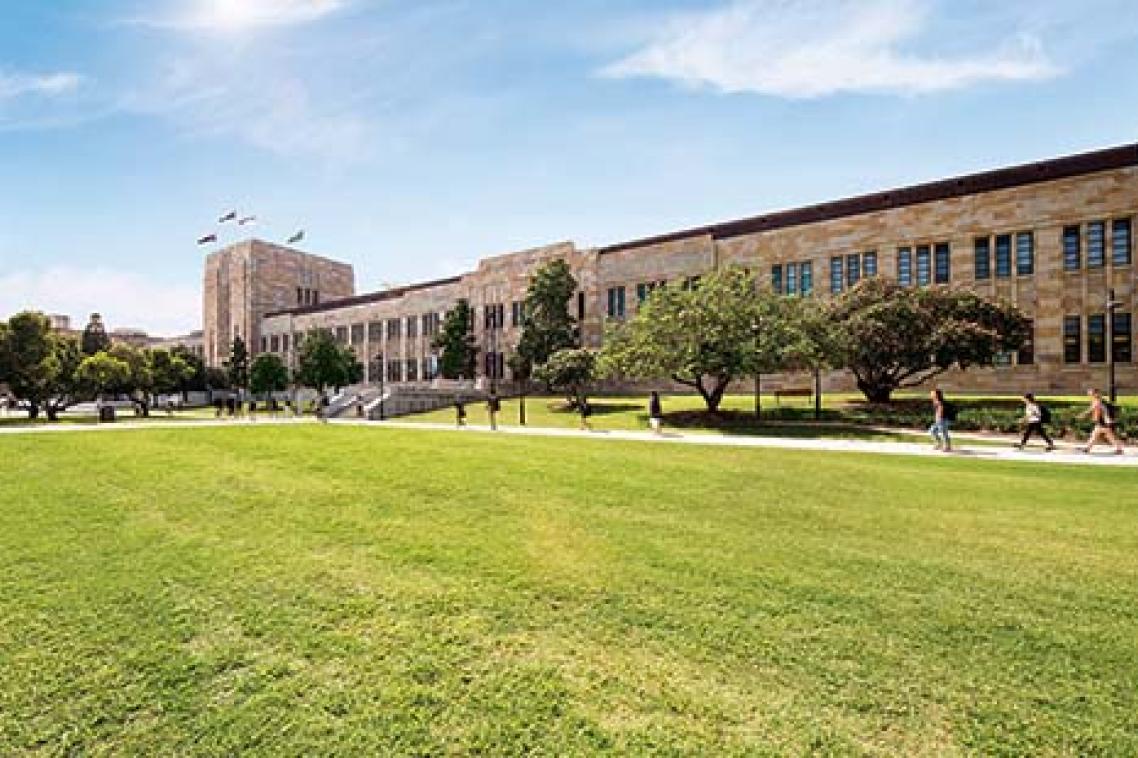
<point x="655" y="413"/>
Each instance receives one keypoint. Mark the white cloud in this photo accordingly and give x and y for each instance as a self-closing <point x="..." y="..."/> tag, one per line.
<point x="125" y="299"/>
<point x="59" y="83"/>
<point x="241" y="15"/>
<point x="816" y="48"/>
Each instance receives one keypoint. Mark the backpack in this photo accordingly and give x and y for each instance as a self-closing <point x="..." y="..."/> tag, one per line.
<point x="949" y="411"/>
<point x="1044" y="414"/>
<point x="1111" y="415"/>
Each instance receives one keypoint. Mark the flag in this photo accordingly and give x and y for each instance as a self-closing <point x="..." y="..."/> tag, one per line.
<point x="246" y="220"/>
<point x="231" y="216"/>
<point x="207" y="239"/>
<point x="295" y="238"/>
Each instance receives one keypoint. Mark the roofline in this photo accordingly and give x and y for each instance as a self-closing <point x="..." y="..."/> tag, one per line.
<point x="1122" y="156"/>
<point x="253" y="241"/>
<point x="365" y="299"/>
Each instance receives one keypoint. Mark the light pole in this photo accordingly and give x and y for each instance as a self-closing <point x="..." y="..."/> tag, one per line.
<point x="755" y="327"/>
<point x="1111" y="306"/>
<point x="382" y="371"/>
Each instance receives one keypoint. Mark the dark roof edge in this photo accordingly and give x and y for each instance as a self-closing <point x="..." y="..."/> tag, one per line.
<point x="370" y="297"/>
<point x="943" y="189"/>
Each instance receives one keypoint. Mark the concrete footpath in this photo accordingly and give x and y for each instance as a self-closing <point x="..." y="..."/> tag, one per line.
<point x="978" y="452"/>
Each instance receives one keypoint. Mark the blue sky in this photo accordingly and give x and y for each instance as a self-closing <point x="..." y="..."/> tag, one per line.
<point x="414" y="137"/>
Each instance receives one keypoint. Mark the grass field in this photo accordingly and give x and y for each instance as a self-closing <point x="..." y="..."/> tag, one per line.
<point x="344" y="590"/>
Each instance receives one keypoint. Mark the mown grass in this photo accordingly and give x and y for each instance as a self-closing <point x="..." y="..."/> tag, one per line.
<point x="343" y="590"/>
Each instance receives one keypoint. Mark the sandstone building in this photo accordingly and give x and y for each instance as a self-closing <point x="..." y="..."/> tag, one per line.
<point x="1053" y="237"/>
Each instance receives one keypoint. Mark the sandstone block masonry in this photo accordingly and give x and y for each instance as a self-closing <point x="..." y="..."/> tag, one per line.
<point x="1053" y="237"/>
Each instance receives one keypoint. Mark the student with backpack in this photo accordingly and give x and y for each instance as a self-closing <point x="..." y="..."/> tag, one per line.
<point x="655" y="413"/>
<point x="944" y="413"/>
<point x="1104" y="415"/>
<point x="1036" y="417"/>
<point x="459" y="413"/>
<point x="493" y="405"/>
<point x="586" y="411"/>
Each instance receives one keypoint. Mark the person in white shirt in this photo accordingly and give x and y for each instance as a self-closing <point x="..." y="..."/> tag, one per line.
<point x="1034" y="423"/>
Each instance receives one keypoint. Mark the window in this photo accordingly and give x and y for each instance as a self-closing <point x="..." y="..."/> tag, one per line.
<point x="869" y="264"/>
<point x="495" y="365"/>
<point x="1072" y="248"/>
<point x="274" y="344"/>
<point x="942" y="263"/>
<point x="316" y="297"/>
<point x="806" y="278"/>
<point x="1096" y="338"/>
<point x="341" y="335"/>
<point x="493" y="317"/>
<point x="1004" y="256"/>
<point x="580" y="305"/>
<point x="792" y="279"/>
<point x="1072" y="339"/>
<point x="430" y="368"/>
<point x="394" y="329"/>
<point x="982" y="254"/>
<point x="264" y="344"/>
<point x="300" y="296"/>
<point x="691" y="283"/>
<point x="924" y="266"/>
<point x="1096" y="244"/>
<point x="644" y="289"/>
<point x="412" y="327"/>
<point x="412" y="370"/>
<point x="516" y="309"/>
<point x="375" y="331"/>
<point x="1026" y="355"/>
<point x="394" y="371"/>
<point x="776" y="278"/>
<point x="836" y="279"/>
<point x="357" y="334"/>
<point x="905" y="267"/>
<point x="1025" y="254"/>
<point x="1003" y="359"/>
<point x="853" y="269"/>
<point x="616" y="302"/>
<point x="1120" y="242"/>
<point x="284" y="342"/>
<point x="1121" y="339"/>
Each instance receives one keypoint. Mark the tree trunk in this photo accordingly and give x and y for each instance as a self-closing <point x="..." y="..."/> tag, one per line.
<point x="33" y="411"/>
<point x="875" y="393"/>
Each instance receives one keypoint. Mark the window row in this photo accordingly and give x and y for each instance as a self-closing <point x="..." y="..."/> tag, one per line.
<point x="848" y="270"/>
<point x="410" y="370"/>
<point x="1120" y="338"/>
<point x="306" y="296"/>
<point x="1085" y="244"/>
<point x="799" y="278"/>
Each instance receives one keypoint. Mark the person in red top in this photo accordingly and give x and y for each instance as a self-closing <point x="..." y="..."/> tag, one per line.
<point x="1102" y="415"/>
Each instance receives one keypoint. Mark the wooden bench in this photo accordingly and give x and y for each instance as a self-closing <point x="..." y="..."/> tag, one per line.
<point x="792" y="392"/>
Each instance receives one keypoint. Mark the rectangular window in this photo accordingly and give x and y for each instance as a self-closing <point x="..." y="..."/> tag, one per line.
<point x="691" y="283"/>
<point x="905" y="267"/>
<point x="836" y="276"/>
<point x="316" y="297"/>
<point x="274" y="344"/>
<point x="1096" y="338"/>
<point x="616" y="302"/>
<point x="264" y="344"/>
<point x="1120" y="242"/>
<point x="412" y="327"/>
<point x="300" y="296"/>
<point x="853" y="269"/>
<point x="1026" y="355"/>
<point x="1025" y="254"/>
<point x="1121" y="338"/>
<point x="1072" y="339"/>
<point x="284" y="343"/>
<point x="341" y="335"/>
<point x="580" y="305"/>
<point x="1096" y="244"/>
<point x="982" y="253"/>
<point x="357" y="334"/>
<point x="792" y="279"/>
<point x="394" y="329"/>
<point x="869" y="264"/>
<point x="924" y="265"/>
<point x="394" y="371"/>
<point x="412" y="370"/>
<point x="1003" y="359"/>
<point x="806" y="278"/>
<point x="1004" y="256"/>
<point x="942" y="263"/>
<point x="516" y="309"/>
<point x="776" y="278"/>
<point x="1072" y="248"/>
<point x="375" y="331"/>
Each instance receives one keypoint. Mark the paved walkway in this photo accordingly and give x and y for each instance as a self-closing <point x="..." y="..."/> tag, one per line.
<point x="988" y="452"/>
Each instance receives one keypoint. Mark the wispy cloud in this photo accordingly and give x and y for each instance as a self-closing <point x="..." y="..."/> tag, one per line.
<point x="14" y="85"/>
<point x="125" y="299"/>
<point x="239" y="15"/>
<point x="816" y="48"/>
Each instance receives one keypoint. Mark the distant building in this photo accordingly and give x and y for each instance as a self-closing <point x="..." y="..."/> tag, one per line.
<point x="193" y="342"/>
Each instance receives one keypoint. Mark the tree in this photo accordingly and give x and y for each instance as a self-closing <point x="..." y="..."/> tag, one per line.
<point x="39" y="365"/>
<point x="268" y="374"/>
<point x="547" y="324"/>
<point x="216" y="378"/>
<point x="237" y="366"/>
<point x="322" y="363"/>
<point x="891" y="337"/>
<point x="570" y="370"/>
<point x="458" y="357"/>
<point x="169" y="372"/>
<point x="702" y="337"/>
<point x="138" y="384"/>
<point x="95" y="339"/>
<point x="197" y="380"/>
<point x="102" y="373"/>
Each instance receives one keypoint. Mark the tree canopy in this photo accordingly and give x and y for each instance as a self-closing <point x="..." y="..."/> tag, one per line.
<point x="268" y="374"/>
<point x="237" y="365"/>
<point x="458" y="358"/>
<point x="322" y="363"/>
<point x="40" y="365"/>
<point x="571" y="371"/>
<point x="547" y="324"/>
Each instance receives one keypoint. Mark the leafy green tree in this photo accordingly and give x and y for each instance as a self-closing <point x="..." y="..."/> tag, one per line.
<point x="216" y="378"/>
<point x="322" y="363"/>
<point x="103" y="373"/>
<point x="237" y="365"/>
<point x="169" y="372"/>
<point x="547" y="325"/>
<point x="352" y="367"/>
<point x="39" y="365"/>
<point x="702" y="337"/>
<point x="892" y="337"/>
<point x="268" y="374"/>
<point x="197" y="381"/>
<point x="95" y="339"/>
<point x="571" y="371"/>
<point x="458" y="358"/>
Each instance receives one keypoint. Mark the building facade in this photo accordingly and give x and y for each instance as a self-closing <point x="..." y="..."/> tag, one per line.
<point x="245" y="281"/>
<point x="1055" y="238"/>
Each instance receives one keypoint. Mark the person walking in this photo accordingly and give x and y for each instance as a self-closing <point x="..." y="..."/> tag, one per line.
<point x="322" y="412"/>
<point x="1036" y="418"/>
<point x="942" y="417"/>
<point x="655" y="413"/>
<point x="493" y="405"/>
<point x="459" y="414"/>
<point x="1103" y="416"/>
<point x="586" y="411"/>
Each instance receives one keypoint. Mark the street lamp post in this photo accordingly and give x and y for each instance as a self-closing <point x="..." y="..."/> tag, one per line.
<point x="382" y="371"/>
<point x="755" y="327"/>
<point x="1111" y="306"/>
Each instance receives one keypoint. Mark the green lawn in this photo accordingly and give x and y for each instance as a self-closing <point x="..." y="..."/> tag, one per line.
<point x="350" y="590"/>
